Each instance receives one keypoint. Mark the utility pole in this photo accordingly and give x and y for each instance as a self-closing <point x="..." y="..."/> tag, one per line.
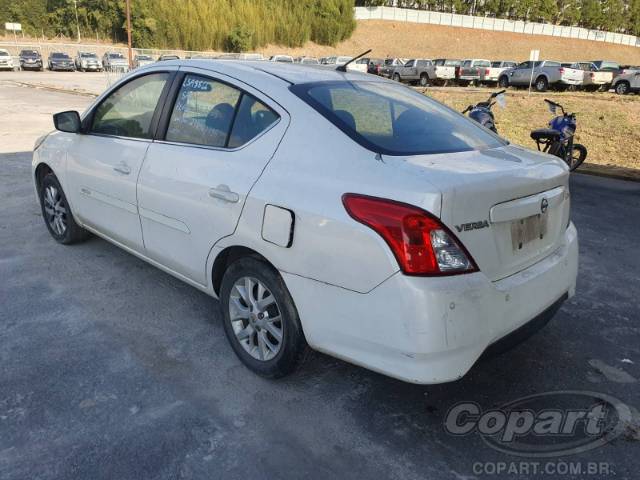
<point x="129" y="32"/>
<point x="75" y="6"/>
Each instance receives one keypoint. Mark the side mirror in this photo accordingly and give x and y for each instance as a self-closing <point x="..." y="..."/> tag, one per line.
<point x="67" y="121"/>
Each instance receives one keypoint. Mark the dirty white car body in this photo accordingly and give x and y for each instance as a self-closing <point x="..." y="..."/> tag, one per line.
<point x="284" y="195"/>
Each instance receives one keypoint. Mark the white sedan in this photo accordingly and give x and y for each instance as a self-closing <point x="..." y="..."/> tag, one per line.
<point x="337" y="211"/>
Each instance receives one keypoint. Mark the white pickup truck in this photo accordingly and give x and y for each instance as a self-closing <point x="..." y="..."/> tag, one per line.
<point x="445" y="69"/>
<point x="593" y="78"/>
<point x="545" y="74"/>
<point x="490" y="75"/>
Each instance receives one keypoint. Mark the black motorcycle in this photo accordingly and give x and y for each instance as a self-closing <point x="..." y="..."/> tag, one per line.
<point x="481" y="112"/>
<point x="558" y="138"/>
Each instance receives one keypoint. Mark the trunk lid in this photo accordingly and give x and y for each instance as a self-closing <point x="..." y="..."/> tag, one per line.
<point x="571" y="75"/>
<point x="508" y="206"/>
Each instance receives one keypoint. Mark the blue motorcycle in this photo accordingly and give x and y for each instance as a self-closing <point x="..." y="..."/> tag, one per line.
<point x="481" y="112"/>
<point x="558" y="138"/>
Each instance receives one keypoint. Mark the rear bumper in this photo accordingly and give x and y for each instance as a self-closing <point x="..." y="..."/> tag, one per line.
<point x="432" y="330"/>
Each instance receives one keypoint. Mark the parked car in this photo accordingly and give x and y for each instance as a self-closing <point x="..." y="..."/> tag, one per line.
<point x="416" y="70"/>
<point x="88" y="61"/>
<point x="469" y="70"/>
<point x="490" y="75"/>
<point x="593" y="78"/>
<point x="167" y="57"/>
<point x="281" y="58"/>
<point x="30" y="60"/>
<point x="142" y="60"/>
<point x="389" y="65"/>
<point x="627" y="82"/>
<point x="374" y="66"/>
<point x="607" y="66"/>
<point x="446" y="69"/>
<point x="115" y="62"/>
<point x="60" y="61"/>
<point x="360" y="65"/>
<point x="6" y="62"/>
<point x="237" y="56"/>
<point x="546" y="74"/>
<point x="412" y="266"/>
<point x="307" y="61"/>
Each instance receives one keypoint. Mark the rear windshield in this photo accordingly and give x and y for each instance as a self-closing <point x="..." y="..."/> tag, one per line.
<point x="482" y="63"/>
<point x="393" y="119"/>
<point x="609" y="66"/>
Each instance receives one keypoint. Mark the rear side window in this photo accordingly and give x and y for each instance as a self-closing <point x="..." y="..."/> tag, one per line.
<point x="129" y="110"/>
<point x="214" y="114"/>
<point x="253" y="117"/>
<point x="393" y="119"/>
<point x="203" y="112"/>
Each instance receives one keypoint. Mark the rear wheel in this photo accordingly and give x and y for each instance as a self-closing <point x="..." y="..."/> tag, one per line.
<point x="541" y="84"/>
<point x="260" y="319"/>
<point x="577" y="156"/>
<point x="622" y="88"/>
<point x="57" y="213"/>
<point x="424" y="80"/>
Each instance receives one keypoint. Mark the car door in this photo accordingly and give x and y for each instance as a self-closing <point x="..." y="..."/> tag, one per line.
<point x="213" y="143"/>
<point x="409" y="70"/>
<point x="521" y="74"/>
<point x="103" y="164"/>
<point x="635" y="80"/>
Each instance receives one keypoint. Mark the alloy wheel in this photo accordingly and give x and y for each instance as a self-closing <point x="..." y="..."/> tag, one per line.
<point x="256" y="318"/>
<point x="55" y="210"/>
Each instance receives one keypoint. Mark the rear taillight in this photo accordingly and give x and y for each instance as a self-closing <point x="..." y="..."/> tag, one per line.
<point x="561" y="70"/>
<point x="486" y="71"/>
<point x="421" y="244"/>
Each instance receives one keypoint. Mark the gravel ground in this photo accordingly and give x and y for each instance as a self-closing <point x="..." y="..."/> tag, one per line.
<point x="110" y="368"/>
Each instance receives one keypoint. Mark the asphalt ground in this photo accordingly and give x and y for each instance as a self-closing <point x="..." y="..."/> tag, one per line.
<point x="110" y="368"/>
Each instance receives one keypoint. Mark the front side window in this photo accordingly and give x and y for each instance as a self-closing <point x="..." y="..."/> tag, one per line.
<point x="409" y="64"/>
<point x="128" y="111"/>
<point x="394" y="120"/>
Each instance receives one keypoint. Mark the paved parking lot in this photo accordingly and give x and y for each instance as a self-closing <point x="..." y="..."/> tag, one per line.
<point x="110" y="368"/>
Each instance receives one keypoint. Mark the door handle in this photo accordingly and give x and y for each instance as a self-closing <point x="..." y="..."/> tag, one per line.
<point x="122" y="168"/>
<point x="222" y="192"/>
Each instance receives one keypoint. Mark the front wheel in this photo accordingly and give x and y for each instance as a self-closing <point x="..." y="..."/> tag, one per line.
<point x="396" y="77"/>
<point x="503" y="82"/>
<point x="577" y="155"/>
<point x="57" y="213"/>
<point x="260" y="319"/>
<point x="424" y="80"/>
<point x="622" y="88"/>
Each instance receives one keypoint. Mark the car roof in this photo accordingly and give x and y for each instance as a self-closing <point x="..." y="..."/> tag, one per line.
<point x="292" y="73"/>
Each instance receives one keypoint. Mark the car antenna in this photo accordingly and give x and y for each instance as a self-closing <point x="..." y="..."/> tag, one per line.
<point x="343" y="67"/>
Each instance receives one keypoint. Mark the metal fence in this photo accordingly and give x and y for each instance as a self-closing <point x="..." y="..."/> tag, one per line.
<point x="490" y="23"/>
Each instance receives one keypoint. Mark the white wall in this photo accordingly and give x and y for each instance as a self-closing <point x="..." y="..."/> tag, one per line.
<point x="486" y="23"/>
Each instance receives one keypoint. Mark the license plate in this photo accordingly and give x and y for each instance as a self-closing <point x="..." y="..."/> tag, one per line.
<point x="528" y="230"/>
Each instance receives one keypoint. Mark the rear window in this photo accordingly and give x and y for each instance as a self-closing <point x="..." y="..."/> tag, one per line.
<point x="482" y="63"/>
<point x="393" y="119"/>
<point x="609" y="66"/>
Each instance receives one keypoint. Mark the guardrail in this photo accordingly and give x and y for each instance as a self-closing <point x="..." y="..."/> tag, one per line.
<point x="491" y="23"/>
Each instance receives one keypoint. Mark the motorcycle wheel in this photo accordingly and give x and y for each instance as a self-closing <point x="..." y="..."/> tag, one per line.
<point x="577" y="156"/>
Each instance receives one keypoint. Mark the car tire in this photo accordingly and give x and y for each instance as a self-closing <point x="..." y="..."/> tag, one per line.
<point x="57" y="213"/>
<point x="622" y="88"/>
<point x="252" y="293"/>
<point x="542" y="84"/>
<point x="396" y="77"/>
<point x="424" y="80"/>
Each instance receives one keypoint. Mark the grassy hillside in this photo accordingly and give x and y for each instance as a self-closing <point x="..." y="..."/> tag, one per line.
<point x="402" y="39"/>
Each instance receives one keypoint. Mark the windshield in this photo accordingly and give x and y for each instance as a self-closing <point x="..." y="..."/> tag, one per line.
<point x="144" y="57"/>
<point x="116" y="55"/>
<point x="4" y="54"/>
<point x="88" y="55"/>
<point x="59" y="55"/>
<point x="393" y="119"/>
<point x="28" y="53"/>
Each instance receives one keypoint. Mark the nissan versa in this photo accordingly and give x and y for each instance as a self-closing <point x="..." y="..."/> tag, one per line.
<point x="337" y="211"/>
